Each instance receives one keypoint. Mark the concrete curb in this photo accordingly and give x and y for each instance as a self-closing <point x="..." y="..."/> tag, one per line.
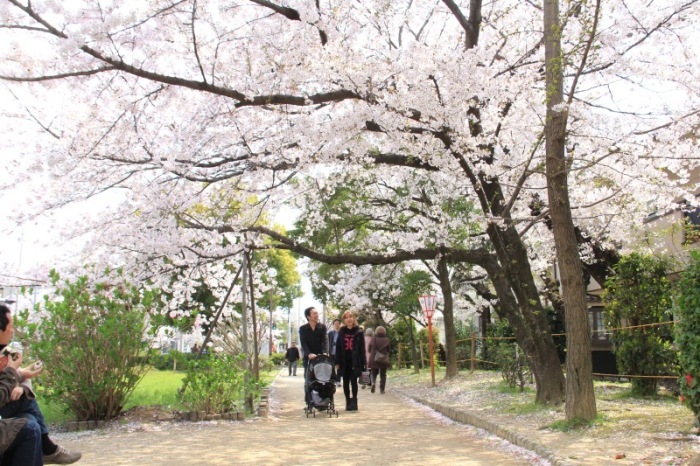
<point x="467" y="417"/>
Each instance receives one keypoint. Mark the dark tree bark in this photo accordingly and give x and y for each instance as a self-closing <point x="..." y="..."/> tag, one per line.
<point x="448" y="315"/>
<point x="580" y="398"/>
<point x="412" y="340"/>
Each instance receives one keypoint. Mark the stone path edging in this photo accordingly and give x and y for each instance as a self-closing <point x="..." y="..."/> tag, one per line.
<point x="467" y="417"/>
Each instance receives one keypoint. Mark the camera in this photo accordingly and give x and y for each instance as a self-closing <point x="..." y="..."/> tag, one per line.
<point x="10" y="353"/>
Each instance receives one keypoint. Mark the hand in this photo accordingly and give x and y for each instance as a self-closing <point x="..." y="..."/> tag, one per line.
<point x="17" y="392"/>
<point x="15" y="361"/>
<point x="32" y="371"/>
<point x="312" y="356"/>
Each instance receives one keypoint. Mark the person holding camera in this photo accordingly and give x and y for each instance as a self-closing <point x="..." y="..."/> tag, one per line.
<point x="20" y="438"/>
<point x="22" y="401"/>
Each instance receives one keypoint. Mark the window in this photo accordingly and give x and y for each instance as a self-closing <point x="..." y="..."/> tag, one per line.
<point x="596" y="323"/>
<point x="692" y="225"/>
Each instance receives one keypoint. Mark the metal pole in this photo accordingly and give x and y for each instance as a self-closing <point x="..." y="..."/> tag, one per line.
<point x="430" y="341"/>
<point x="270" y="322"/>
<point x="244" y="312"/>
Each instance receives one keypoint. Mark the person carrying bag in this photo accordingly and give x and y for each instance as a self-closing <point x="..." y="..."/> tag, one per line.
<point x="379" y="358"/>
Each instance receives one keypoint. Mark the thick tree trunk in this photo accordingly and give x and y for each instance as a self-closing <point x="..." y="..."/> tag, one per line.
<point x="412" y="340"/>
<point x="580" y="399"/>
<point x="535" y="342"/>
<point x="448" y="315"/>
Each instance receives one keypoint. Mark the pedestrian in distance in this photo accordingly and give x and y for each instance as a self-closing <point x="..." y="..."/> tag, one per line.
<point x="379" y="362"/>
<point x="333" y="338"/>
<point x="313" y="338"/>
<point x="292" y="357"/>
<point x="22" y="402"/>
<point x="368" y="336"/>
<point x="351" y="358"/>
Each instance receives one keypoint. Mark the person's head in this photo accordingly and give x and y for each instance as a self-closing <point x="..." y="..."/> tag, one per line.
<point x="336" y="324"/>
<point x="349" y="319"/>
<point x="294" y="343"/>
<point x="311" y="314"/>
<point x="369" y="332"/>
<point x="380" y="331"/>
<point x="7" y="327"/>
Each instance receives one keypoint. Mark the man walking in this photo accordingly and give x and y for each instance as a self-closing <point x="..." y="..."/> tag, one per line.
<point x="333" y="338"/>
<point x="292" y="356"/>
<point x="313" y="338"/>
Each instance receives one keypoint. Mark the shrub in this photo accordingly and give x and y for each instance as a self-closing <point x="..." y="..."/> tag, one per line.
<point x="278" y="359"/>
<point x="502" y="349"/>
<point x="688" y="334"/>
<point x="215" y="385"/>
<point x="90" y="337"/>
<point x="172" y="360"/>
<point x="639" y="293"/>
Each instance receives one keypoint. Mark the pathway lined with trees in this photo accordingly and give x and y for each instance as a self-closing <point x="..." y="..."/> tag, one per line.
<point x="385" y="430"/>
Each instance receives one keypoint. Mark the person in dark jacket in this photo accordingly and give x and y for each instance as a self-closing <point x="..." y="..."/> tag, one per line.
<point x="333" y="338"/>
<point x="379" y="344"/>
<point x="350" y="358"/>
<point x="292" y="356"/>
<point x="313" y="337"/>
<point x="20" y="438"/>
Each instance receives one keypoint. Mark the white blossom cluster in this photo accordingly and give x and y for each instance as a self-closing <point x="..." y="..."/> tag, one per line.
<point x="153" y="105"/>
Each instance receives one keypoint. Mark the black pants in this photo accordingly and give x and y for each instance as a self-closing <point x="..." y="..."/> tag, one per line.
<point x="307" y="382"/>
<point x="349" y="378"/>
<point x="382" y="377"/>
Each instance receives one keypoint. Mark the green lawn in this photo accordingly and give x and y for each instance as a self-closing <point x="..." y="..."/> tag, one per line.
<point x="156" y="388"/>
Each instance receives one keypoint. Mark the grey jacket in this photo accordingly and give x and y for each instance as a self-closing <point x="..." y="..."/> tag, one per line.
<point x="9" y="428"/>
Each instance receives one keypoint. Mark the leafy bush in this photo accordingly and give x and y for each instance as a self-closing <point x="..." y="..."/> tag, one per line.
<point x="172" y="360"/>
<point x="503" y="350"/>
<point x="278" y="359"/>
<point x="688" y="335"/>
<point x="215" y="385"/>
<point x="90" y="336"/>
<point x="637" y="294"/>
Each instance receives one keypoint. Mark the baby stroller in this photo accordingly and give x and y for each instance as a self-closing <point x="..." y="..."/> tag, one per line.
<point x="321" y="386"/>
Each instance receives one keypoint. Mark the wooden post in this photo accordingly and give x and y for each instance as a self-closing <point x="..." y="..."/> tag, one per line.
<point x="473" y="356"/>
<point x="399" y="361"/>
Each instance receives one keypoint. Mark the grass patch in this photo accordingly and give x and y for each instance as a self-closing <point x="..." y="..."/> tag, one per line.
<point x="156" y="388"/>
<point x="503" y="387"/>
<point x="576" y="424"/>
<point x="521" y="409"/>
<point x="623" y="391"/>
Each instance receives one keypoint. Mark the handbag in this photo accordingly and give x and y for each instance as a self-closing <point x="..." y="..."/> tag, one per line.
<point x="381" y="358"/>
<point x="365" y="378"/>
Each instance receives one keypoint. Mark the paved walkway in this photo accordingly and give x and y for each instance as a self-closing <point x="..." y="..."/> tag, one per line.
<point x="387" y="429"/>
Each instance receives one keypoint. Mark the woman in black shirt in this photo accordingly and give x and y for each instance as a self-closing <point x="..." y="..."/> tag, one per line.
<point x="350" y="359"/>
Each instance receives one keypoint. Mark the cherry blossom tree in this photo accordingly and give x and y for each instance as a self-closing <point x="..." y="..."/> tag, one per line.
<point x="173" y="104"/>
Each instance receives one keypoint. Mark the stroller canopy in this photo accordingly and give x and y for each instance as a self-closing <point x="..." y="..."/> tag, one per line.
<point x="323" y="370"/>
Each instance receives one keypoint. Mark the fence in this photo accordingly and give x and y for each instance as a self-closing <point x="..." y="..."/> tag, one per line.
<point x="476" y="340"/>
